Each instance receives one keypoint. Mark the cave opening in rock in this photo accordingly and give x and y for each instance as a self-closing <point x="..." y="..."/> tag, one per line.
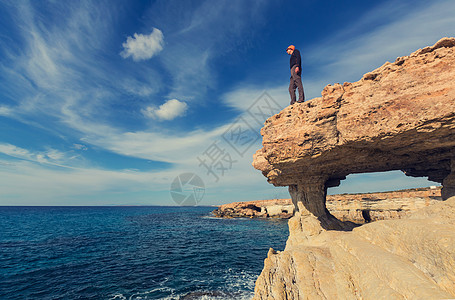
<point x="379" y="182"/>
<point x="366" y="215"/>
<point x="368" y="197"/>
<point x="253" y="207"/>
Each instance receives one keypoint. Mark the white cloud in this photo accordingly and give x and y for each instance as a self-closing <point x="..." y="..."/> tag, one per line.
<point x="135" y="87"/>
<point x="158" y="146"/>
<point x="243" y="96"/>
<point x="26" y="182"/>
<point x="14" y="151"/>
<point x="170" y="110"/>
<point x="5" y="111"/>
<point x="80" y="147"/>
<point x="50" y="157"/>
<point x="30" y="183"/>
<point x="201" y="36"/>
<point x="346" y="58"/>
<point x="143" y="47"/>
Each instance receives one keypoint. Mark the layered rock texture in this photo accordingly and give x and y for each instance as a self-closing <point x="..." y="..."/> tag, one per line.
<point x="274" y="208"/>
<point x="400" y="116"/>
<point x="365" y="208"/>
<point x="411" y="258"/>
<point x="357" y="208"/>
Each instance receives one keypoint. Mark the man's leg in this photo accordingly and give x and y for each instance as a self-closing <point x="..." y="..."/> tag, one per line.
<point x="300" y="88"/>
<point x="292" y="88"/>
<point x="292" y="85"/>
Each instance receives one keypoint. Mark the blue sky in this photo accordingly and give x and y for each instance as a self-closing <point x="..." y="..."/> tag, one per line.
<point x="107" y="102"/>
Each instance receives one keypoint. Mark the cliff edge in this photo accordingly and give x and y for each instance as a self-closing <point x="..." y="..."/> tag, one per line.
<point x="356" y="208"/>
<point x="400" y="116"/>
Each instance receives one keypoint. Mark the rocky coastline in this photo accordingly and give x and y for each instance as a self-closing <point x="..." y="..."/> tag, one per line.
<point x="263" y="209"/>
<point x="356" y="208"/>
<point x="400" y="116"/>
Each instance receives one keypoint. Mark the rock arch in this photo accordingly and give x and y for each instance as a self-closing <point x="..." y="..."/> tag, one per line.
<point x="400" y="116"/>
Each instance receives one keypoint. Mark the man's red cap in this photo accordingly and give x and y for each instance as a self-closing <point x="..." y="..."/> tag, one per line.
<point x="292" y="47"/>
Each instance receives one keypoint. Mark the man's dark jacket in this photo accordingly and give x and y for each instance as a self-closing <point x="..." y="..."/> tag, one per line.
<point x="296" y="60"/>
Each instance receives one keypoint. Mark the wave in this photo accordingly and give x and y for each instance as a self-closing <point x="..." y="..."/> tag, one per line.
<point x="237" y="287"/>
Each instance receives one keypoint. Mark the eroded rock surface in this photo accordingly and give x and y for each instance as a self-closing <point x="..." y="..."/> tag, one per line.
<point x="365" y="208"/>
<point x="357" y="208"/>
<point x="274" y="208"/>
<point x="400" y="116"/>
<point x="410" y="258"/>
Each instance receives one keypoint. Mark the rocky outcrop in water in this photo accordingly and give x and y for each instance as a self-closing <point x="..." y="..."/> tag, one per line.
<point x="357" y="208"/>
<point x="400" y="116"/>
<point x="274" y="208"/>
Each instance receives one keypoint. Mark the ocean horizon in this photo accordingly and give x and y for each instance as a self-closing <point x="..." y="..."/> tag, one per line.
<point x="131" y="252"/>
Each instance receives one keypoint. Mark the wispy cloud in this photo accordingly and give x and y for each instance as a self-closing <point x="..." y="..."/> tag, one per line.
<point x="80" y="147"/>
<point x="59" y="77"/>
<point x="143" y="47"/>
<point x="51" y="156"/>
<point x="159" y="146"/>
<point x="170" y="110"/>
<point x="25" y="182"/>
<point x="346" y="57"/>
<point x="202" y="34"/>
<point x="63" y="70"/>
<point x="5" y="111"/>
<point x="244" y="95"/>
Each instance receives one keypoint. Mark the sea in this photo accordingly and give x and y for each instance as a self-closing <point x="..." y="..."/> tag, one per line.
<point x="132" y="252"/>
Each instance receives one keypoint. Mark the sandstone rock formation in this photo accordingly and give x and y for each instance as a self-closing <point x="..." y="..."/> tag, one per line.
<point x="364" y="208"/>
<point x="275" y="208"/>
<point x="400" y="116"/>
<point x="357" y="208"/>
<point x="390" y="259"/>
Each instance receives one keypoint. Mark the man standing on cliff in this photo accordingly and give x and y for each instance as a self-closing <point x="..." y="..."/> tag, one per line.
<point x="296" y="69"/>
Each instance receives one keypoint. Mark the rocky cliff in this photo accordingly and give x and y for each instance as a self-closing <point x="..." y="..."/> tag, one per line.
<point x="357" y="208"/>
<point x="400" y="116"/>
<point x="410" y="258"/>
<point x="365" y="208"/>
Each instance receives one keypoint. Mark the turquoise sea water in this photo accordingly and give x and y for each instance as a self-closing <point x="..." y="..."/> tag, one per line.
<point x="131" y="253"/>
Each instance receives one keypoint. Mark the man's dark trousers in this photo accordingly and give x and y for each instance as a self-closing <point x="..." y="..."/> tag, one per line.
<point x="296" y="82"/>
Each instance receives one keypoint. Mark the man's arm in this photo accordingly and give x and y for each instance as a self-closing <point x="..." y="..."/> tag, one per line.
<point x="299" y="62"/>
